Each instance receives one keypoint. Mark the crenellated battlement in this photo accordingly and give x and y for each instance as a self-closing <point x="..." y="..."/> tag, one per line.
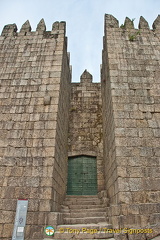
<point x="130" y="105"/>
<point x="11" y="29"/>
<point x="112" y="22"/>
<point x="156" y="23"/>
<point x="45" y="119"/>
<point x="143" y="24"/>
<point x="86" y="77"/>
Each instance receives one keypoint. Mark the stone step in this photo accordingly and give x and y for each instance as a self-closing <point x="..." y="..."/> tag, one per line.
<point x="88" y="210"/>
<point x="81" y="196"/>
<point x="84" y="214"/>
<point x="84" y="236"/>
<point x="80" y="206"/>
<point x="84" y="202"/>
<point x="95" y="210"/>
<point x="84" y="220"/>
<point x="101" y="209"/>
<point x="83" y="210"/>
<point x="81" y="231"/>
<point x="99" y="226"/>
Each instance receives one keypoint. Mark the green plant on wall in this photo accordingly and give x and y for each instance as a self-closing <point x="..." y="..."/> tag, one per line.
<point x="133" y="37"/>
<point x="133" y="20"/>
<point x="122" y="26"/>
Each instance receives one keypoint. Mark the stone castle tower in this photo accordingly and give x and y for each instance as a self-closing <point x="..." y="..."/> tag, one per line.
<point x="80" y="153"/>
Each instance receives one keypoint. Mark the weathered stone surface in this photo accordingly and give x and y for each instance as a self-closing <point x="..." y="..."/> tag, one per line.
<point x="26" y="27"/>
<point x="86" y="77"/>
<point x="9" y="30"/>
<point x="128" y="24"/>
<point x="156" y="23"/>
<point x="7" y="231"/>
<point x="47" y="100"/>
<point x="55" y="26"/>
<point x="143" y="24"/>
<point x="111" y="21"/>
<point x="41" y="27"/>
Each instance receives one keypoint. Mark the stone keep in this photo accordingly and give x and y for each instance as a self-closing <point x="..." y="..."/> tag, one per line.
<point x="45" y="119"/>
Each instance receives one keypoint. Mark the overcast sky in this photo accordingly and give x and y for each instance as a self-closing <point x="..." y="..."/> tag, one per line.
<point x="85" y="23"/>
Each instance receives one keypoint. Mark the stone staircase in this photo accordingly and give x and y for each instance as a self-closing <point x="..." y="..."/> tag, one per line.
<point x="84" y="218"/>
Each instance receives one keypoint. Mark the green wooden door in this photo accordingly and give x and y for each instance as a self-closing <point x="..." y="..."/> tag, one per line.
<point x="82" y="176"/>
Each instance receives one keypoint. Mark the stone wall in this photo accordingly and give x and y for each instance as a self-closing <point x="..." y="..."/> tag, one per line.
<point x="130" y="85"/>
<point x="85" y="122"/>
<point x="35" y="81"/>
<point x="35" y="111"/>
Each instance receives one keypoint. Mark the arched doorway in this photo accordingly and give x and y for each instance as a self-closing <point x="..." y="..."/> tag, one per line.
<point x="82" y="175"/>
